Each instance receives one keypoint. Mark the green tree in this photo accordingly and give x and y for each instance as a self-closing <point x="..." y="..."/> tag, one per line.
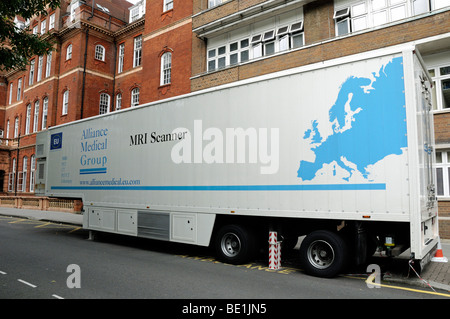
<point x="19" y="45"/>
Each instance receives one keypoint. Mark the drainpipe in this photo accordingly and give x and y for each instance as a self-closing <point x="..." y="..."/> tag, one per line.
<point x="114" y="77"/>
<point x="84" y="74"/>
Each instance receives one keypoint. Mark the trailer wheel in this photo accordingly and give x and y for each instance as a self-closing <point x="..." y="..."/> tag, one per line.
<point x="234" y="244"/>
<point x="323" y="253"/>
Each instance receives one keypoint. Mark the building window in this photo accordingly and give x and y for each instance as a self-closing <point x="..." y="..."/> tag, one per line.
<point x="100" y="52"/>
<point x="33" y="172"/>
<point x="12" y="178"/>
<point x="39" y="70"/>
<point x="168" y="5"/>
<point x="36" y="116"/>
<point x="10" y="92"/>
<point x="137" y="51"/>
<point x="121" y="57"/>
<point x="443" y="173"/>
<point x="48" y="67"/>
<point x="137" y="11"/>
<point x="361" y="15"/>
<point x="134" y="14"/>
<point x="65" y="107"/>
<point x="44" y="113"/>
<point x="73" y="7"/>
<point x="118" y="101"/>
<point x="213" y="3"/>
<point x="43" y="26"/>
<point x="69" y="52"/>
<point x="51" y="24"/>
<point x="35" y="29"/>
<point x="217" y="58"/>
<point x="16" y="127"/>
<point x="22" y="176"/>
<point x="166" y="68"/>
<point x="237" y="51"/>
<point x="441" y="87"/>
<point x="28" y="120"/>
<point x="19" y="89"/>
<point x="104" y="103"/>
<point x="31" y="77"/>
<point x="135" y="97"/>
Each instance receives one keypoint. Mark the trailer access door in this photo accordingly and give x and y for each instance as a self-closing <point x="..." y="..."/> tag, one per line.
<point x="424" y="223"/>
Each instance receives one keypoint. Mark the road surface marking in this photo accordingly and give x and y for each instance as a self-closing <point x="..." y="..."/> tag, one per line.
<point x="42" y="225"/>
<point x="26" y="283"/>
<point x="57" y="297"/>
<point x="407" y="289"/>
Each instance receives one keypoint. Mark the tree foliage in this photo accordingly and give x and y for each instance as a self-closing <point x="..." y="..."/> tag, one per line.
<point x="19" y="45"/>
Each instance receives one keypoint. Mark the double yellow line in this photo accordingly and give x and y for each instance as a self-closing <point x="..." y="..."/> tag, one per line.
<point x="370" y="281"/>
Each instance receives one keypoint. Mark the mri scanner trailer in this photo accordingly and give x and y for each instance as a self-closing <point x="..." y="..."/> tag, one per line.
<point x="340" y="151"/>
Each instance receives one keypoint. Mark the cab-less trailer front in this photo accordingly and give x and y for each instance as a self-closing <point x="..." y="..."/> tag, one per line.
<point x="339" y="151"/>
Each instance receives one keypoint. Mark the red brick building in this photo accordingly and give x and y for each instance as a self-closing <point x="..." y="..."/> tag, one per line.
<point x="109" y="55"/>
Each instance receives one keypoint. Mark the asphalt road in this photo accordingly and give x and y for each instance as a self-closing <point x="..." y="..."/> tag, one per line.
<point x="40" y="260"/>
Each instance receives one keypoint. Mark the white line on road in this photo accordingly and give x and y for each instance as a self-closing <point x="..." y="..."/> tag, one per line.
<point x="57" y="297"/>
<point x="3" y="273"/>
<point x="26" y="283"/>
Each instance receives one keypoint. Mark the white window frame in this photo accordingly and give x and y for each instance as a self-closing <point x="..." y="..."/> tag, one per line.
<point x="11" y="86"/>
<point x="135" y="97"/>
<point x="19" y="89"/>
<point x="73" y="7"/>
<point x="22" y="176"/>
<point x="39" y="70"/>
<point x="65" y="106"/>
<point x="28" y="119"/>
<point x="167" y="5"/>
<point x="35" y="29"/>
<point x="104" y="104"/>
<point x="442" y="173"/>
<point x="69" y="52"/>
<point x="32" y="172"/>
<point x="118" y="101"/>
<point x="43" y="26"/>
<point x="214" y="3"/>
<point x="16" y="127"/>
<point x="48" y="66"/>
<point x="31" y="77"/>
<point x="121" y="58"/>
<point x="51" y="24"/>
<point x="137" y="52"/>
<point x="100" y="52"/>
<point x="36" y="116"/>
<point x="12" y="176"/>
<point x="44" y="113"/>
<point x="166" y="68"/>
<point x="441" y="82"/>
<point x="279" y="38"/>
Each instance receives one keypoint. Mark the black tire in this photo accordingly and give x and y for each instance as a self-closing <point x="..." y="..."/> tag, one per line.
<point x="234" y="244"/>
<point x="323" y="254"/>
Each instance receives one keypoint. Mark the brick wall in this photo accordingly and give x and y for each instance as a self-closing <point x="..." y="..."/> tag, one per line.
<point x="444" y="221"/>
<point x="442" y="128"/>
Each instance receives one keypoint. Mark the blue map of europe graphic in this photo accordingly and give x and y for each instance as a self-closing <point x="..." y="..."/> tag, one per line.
<point x="368" y="122"/>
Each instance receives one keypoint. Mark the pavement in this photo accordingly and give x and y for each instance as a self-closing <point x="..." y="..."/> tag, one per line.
<point x="436" y="275"/>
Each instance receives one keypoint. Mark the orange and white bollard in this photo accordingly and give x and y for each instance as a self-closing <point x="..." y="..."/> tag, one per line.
<point x="274" y="251"/>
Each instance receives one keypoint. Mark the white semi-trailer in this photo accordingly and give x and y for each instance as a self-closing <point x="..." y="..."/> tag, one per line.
<point x="340" y="151"/>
